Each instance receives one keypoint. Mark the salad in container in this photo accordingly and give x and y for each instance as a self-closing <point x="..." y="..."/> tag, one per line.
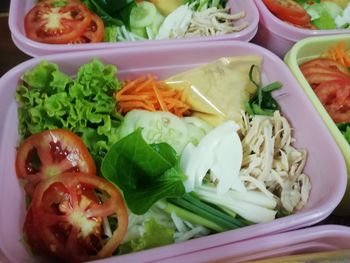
<point x="285" y="22"/>
<point x="148" y="159"/>
<point x="313" y="14"/>
<point x="52" y="26"/>
<point x="322" y="66"/>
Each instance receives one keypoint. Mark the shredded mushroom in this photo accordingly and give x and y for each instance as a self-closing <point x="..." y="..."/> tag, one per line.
<point x="213" y="21"/>
<point x="271" y="164"/>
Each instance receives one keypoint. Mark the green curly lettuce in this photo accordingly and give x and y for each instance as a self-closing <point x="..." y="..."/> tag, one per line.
<point x="49" y="99"/>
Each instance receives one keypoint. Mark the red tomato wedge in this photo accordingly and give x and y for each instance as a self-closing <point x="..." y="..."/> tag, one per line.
<point x="285" y="8"/>
<point x="93" y="33"/>
<point x="66" y="215"/>
<point x="335" y="97"/>
<point x="49" y="153"/>
<point x="56" y="22"/>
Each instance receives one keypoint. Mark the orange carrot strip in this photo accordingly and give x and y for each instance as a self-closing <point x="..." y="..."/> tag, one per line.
<point x="146" y="92"/>
<point x="339" y="54"/>
<point x="160" y="99"/>
<point x="148" y="81"/>
<point x="131" y="84"/>
<point x="132" y="97"/>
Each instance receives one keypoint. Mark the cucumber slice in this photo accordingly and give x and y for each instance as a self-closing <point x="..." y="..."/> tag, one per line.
<point x="197" y="129"/>
<point x="156" y="127"/>
<point x="142" y="15"/>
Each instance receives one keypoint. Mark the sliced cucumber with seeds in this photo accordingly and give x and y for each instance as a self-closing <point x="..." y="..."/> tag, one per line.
<point x="142" y="14"/>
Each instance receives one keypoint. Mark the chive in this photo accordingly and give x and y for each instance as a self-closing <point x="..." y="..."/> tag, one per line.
<point x="251" y="76"/>
<point x="192" y="217"/>
<point x="248" y="108"/>
<point x="262" y="103"/>
<point x="202" y="213"/>
<point x="272" y="86"/>
<point x="216" y="210"/>
<point x="259" y="111"/>
<point x="195" y="201"/>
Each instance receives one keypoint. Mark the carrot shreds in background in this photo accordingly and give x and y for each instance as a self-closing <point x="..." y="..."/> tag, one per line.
<point x="147" y="93"/>
<point x="339" y="54"/>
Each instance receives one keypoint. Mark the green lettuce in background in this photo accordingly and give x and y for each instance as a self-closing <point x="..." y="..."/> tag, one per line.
<point x="154" y="235"/>
<point x="50" y="99"/>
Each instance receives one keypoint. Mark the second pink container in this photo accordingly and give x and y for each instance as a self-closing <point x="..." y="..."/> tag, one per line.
<point x="19" y="8"/>
<point x="278" y="36"/>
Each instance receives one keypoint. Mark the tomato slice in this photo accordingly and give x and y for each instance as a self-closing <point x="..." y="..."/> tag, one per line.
<point x="296" y="20"/>
<point x="335" y="97"/>
<point x="70" y="214"/>
<point x="325" y="63"/>
<point x="317" y="75"/>
<point x="318" y="78"/>
<point x="50" y="153"/>
<point x="285" y="8"/>
<point x="56" y="22"/>
<point x="93" y="33"/>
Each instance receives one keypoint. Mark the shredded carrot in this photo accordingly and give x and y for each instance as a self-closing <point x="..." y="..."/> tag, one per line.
<point x="148" y="93"/>
<point x="339" y="54"/>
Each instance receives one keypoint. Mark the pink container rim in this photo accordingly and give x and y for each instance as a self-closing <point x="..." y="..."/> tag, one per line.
<point x="288" y="31"/>
<point x="320" y="205"/>
<point x="308" y="240"/>
<point x="33" y="48"/>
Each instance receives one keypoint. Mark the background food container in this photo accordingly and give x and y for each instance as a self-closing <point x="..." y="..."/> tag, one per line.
<point x="328" y="178"/>
<point x="310" y="240"/>
<point x="19" y="8"/>
<point x="278" y="36"/>
<point x="305" y="50"/>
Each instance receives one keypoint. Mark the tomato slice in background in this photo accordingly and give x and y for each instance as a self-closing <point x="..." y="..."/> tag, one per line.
<point x="50" y="153"/>
<point x="307" y="70"/>
<point x="335" y="97"/>
<point x="65" y="217"/>
<point x="296" y="20"/>
<point x="93" y="33"/>
<point x="285" y="8"/>
<point x="326" y="63"/>
<point x="318" y="78"/>
<point x="56" y="22"/>
<point x="317" y="75"/>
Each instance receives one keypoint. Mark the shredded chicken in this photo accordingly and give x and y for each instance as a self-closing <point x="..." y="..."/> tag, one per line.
<point x="270" y="162"/>
<point x="213" y="21"/>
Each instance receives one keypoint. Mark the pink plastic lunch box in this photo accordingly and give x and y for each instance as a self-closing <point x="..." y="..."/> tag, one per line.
<point x="278" y="36"/>
<point x="19" y="8"/>
<point x="325" y="165"/>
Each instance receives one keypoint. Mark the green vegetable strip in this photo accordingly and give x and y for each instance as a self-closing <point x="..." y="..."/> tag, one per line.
<point x="192" y="217"/>
<point x="216" y="218"/>
<point x="262" y="103"/>
<point x="272" y="86"/>
<point x="195" y="201"/>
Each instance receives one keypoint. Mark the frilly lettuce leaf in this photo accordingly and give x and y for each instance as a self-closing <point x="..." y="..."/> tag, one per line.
<point x="50" y="99"/>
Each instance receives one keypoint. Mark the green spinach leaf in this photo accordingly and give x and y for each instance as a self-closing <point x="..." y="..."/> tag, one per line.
<point x="145" y="173"/>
